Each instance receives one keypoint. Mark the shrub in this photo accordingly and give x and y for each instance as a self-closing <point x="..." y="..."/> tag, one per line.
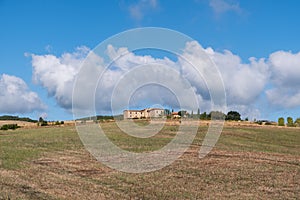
<point x="9" y="126"/>
<point x="259" y="122"/>
<point x="268" y="123"/>
<point x="4" y="127"/>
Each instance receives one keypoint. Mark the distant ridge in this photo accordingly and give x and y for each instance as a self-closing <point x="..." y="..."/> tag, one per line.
<point x="17" y="118"/>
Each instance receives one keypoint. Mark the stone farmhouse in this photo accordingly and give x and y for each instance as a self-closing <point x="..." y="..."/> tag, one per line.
<point x="144" y="114"/>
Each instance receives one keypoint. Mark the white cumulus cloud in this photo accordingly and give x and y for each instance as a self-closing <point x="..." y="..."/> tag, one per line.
<point x="57" y="74"/>
<point x="126" y="74"/>
<point x="244" y="82"/>
<point x="285" y="69"/>
<point x="15" y="96"/>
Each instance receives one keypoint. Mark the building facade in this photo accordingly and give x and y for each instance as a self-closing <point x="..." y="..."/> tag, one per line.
<point x="144" y="114"/>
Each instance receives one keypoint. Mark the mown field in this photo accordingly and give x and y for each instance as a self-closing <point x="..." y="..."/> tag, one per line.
<point x="247" y="163"/>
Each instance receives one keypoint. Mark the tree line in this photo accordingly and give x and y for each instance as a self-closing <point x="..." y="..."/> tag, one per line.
<point x="40" y="122"/>
<point x="290" y="122"/>
<point x="218" y="115"/>
<point x="17" y="118"/>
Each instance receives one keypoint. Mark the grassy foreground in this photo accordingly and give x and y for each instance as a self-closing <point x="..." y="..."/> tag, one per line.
<point x="247" y="163"/>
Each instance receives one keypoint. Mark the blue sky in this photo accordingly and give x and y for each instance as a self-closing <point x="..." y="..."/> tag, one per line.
<point x="261" y="29"/>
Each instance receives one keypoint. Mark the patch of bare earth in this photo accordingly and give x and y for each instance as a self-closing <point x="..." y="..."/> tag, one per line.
<point x="220" y="175"/>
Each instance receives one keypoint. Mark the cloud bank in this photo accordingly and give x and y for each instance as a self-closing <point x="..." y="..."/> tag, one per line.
<point x="285" y="72"/>
<point x="15" y="96"/>
<point x="276" y="77"/>
<point x="57" y="74"/>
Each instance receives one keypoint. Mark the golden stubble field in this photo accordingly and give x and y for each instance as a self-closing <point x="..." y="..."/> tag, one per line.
<point x="248" y="162"/>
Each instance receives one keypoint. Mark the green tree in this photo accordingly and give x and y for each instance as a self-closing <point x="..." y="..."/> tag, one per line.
<point x="203" y="116"/>
<point x="42" y="122"/>
<point x="233" y="115"/>
<point x="280" y="121"/>
<point x="41" y="119"/>
<point x="198" y="113"/>
<point x="167" y="112"/>
<point x="290" y="122"/>
<point x="297" y="122"/>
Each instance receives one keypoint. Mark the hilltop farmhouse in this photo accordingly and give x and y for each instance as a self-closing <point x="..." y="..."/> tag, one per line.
<point x="145" y="113"/>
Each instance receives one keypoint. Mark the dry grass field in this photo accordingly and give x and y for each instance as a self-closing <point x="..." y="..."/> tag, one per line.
<point x="247" y="163"/>
<point x="19" y="123"/>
